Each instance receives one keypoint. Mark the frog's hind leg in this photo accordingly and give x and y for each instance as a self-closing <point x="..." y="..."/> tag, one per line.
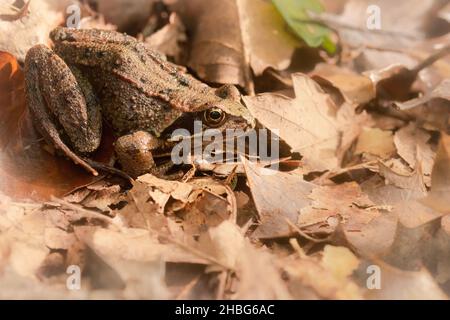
<point x="54" y="96"/>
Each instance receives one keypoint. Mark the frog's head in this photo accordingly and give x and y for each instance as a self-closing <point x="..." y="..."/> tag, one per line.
<point x="226" y="111"/>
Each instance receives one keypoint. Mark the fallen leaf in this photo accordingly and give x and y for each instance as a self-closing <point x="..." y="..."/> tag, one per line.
<point x="278" y="197"/>
<point x="224" y="242"/>
<point x="397" y="284"/>
<point x="404" y="203"/>
<point x="230" y="36"/>
<point x="328" y="277"/>
<point x="413" y="181"/>
<point x="413" y="146"/>
<point x="442" y="91"/>
<point x="357" y="89"/>
<point x="311" y="123"/>
<point x="376" y="142"/>
<point x="402" y="25"/>
<point x="250" y="284"/>
<point x="133" y="255"/>
<point x="127" y="15"/>
<point x="444" y="13"/>
<point x="17" y="37"/>
<point x="26" y="169"/>
<point x="169" y="39"/>
<point x="366" y="229"/>
<point x="438" y="197"/>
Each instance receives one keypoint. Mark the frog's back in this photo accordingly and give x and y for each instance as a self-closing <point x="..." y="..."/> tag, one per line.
<point x="127" y="60"/>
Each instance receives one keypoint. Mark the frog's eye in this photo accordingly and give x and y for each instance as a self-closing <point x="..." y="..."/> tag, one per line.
<point x="214" y="117"/>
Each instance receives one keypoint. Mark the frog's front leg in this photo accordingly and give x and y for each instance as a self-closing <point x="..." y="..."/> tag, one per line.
<point x="134" y="153"/>
<point x="61" y="100"/>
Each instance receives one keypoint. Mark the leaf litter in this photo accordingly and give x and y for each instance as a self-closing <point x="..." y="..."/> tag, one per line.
<point x="363" y="175"/>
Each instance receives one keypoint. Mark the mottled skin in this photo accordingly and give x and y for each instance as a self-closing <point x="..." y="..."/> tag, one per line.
<point x="135" y="90"/>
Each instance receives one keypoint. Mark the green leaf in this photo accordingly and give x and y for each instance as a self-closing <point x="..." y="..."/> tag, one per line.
<point x="295" y="12"/>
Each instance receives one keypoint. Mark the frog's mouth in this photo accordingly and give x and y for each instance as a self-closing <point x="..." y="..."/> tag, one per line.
<point x="228" y="142"/>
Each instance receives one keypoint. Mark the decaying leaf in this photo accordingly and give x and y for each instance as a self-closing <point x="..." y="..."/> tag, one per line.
<point x="169" y="39"/>
<point x="288" y="193"/>
<point x="16" y="37"/>
<point x="376" y="142"/>
<point x="442" y="91"/>
<point x="407" y="285"/>
<point x="404" y="203"/>
<point x="440" y="178"/>
<point x="356" y="88"/>
<point x="311" y="123"/>
<point x="328" y="277"/>
<point x="360" y="183"/>
<point x="413" y="145"/>
<point x="381" y="25"/>
<point x="230" y="36"/>
<point x="126" y="14"/>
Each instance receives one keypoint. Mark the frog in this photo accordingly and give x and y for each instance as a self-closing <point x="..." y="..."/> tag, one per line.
<point x="91" y="77"/>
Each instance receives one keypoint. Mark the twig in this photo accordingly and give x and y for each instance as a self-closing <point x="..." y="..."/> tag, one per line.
<point x="296" y="246"/>
<point x="89" y="213"/>
<point x="222" y="285"/>
<point x="188" y="288"/>
<point x="335" y="24"/>
<point x="432" y="59"/>
<point x="304" y="235"/>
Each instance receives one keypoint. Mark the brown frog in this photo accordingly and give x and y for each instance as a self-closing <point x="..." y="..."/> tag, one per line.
<point x="94" y="75"/>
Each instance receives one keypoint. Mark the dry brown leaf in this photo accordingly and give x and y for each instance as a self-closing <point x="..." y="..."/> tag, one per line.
<point x="397" y="284"/>
<point x="230" y="36"/>
<point x="412" y="181"/>
<point x="16" y="37"/>
<point x="311" y="123"/>
<point x="357" y="89"/>
<point x="26" y="169"/>
<point x="446" y="224"/>
<point x="17" y="287"/>
<point x="199" y="204"/>
<point x="444" y="13"/>
<point x="22" y="243"/>
<point x="404" y="203"/>
<point x="413" y="146"/>
<point x="366" y="229"/>
<point x="134" y="255"/>
<point x="327" y="277"/>
<point x="317" y="210"/>
<point x="402" y="25"/>
<point x="224" y="242"/>
<point x="439" y="196"/>
<point x="442" y="91"/>
<point x="127" y="15"/>
<point x="13" y="13"/>
<point x="262" y="28"/>
<point x="278" y="197"/>
<point x="215" y="55"/>
<point x="56" y="238"/>
<point x="375" y="142"/>
<point x="169" y="39"/>
<point x="250" y="285"/>
<point x="203" y="211"/>
<point x="160" y="190"/>
<point x="132" y="244"/>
